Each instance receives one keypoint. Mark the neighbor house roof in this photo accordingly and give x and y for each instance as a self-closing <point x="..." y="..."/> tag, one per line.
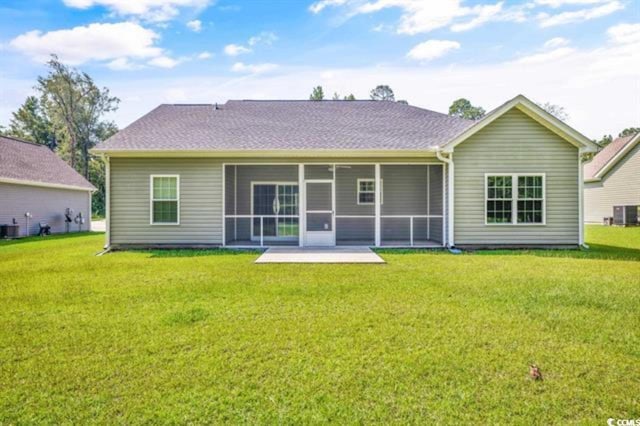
<point x="287" y="125"/>
<point x="28" y="163"/>
<point x="609" y="156"/>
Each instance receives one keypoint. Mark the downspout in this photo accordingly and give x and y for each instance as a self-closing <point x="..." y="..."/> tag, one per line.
<point x="581" y="199"/>
<point x="107" y="201"/>
<point x="450" y="195"/>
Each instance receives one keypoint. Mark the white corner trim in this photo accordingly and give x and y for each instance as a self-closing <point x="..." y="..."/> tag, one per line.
<point x="107" y="201"/>
<point x="580" y="198"/>
<point x="536" y="113"/>
<point x="44" y="184"/>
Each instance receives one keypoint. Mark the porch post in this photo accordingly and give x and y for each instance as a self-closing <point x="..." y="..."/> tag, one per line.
<point x="302" y="191"/>
<point x="377" y="204"/>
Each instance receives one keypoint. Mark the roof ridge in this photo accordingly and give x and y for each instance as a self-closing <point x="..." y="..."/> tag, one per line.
<point x="13" y="138"/>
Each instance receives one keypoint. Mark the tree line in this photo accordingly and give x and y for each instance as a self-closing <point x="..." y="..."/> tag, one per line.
<point x="67" y="114"/>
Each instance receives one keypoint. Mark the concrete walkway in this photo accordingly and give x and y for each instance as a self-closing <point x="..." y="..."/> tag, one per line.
<point x="319" y="255"/>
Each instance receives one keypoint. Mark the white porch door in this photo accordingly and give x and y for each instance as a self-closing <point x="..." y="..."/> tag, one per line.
<point x="319" y="223"/>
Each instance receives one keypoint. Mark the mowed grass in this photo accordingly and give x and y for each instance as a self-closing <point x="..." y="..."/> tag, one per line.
<point x="209" y="337"/>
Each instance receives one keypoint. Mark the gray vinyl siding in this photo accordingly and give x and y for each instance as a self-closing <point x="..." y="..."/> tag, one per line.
<point x="514" y="143"/>
<point x="200" y="201"/>
<point x="201" y="196"/>
<point x="347" y="190"/>
<point x="619" y="187"/>
<point x="45" y="205"/>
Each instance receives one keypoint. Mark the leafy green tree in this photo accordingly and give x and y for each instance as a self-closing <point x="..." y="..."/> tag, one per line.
<point x="382" y="93"/>
<point x="75" y="106"/>
<point x="30" y="122"/>
<point x="629" y="131"/>
<point x="317" y="94"/>
<point x="464" y="109"/>
<point x="604" y="141"/>
<point x="350" y="97"/>
<point x="68" y="115"/>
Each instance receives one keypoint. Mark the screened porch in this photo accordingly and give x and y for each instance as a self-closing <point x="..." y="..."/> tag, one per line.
<point x="334" y="204"/>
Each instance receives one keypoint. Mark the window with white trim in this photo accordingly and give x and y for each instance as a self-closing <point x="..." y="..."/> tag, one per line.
<point x="515" y="199"/>
<point x="165" y="199"/>
<point x="367" y="191"/>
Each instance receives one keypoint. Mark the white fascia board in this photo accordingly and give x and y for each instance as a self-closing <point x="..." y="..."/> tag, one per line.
<point x="328" y="153"/>
<point x="44" y="184"/>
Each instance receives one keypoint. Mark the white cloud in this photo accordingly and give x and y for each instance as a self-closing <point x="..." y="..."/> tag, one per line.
<point x="164" y="62"/>
<point x="119" y="43"/>
<point x="556" y="42"/>
<point x="235" y="49"/>
<point x="195" y="25"/>
<point x="421" y="16"/>
<point x="265" y="37"/>
<point x="489" y="13"/>
<point x="547" y="20"/>
<point x="559" y="3"/>
<point x="546" y="57"/>
<point x="121" y="64"/>
<point x="151" y="10"/>
<point x="432" y="49"/>
<point x="624" y="33"/>
<point x="319" y="6"/>
<point x="204" y="55"/>
<point x="240" y="67"/>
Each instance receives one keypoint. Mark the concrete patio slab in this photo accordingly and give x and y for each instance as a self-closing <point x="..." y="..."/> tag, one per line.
<point x="319" y="255"/>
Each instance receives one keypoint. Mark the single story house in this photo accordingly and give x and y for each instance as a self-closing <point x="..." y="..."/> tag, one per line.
<point x="325" y="173"/>
<point x="612" y="178"/>
<point x="37" y="186"/>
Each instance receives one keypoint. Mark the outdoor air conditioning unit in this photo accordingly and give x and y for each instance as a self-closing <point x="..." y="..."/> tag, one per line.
<point x="625" y="215"/>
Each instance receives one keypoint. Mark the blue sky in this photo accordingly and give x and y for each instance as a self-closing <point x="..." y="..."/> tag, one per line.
<point x="581" y="54"/>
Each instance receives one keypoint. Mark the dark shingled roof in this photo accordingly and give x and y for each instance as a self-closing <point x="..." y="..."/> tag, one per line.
<point x="288" y="125"/>
<point x="592" y="168"/>
<point x="27" y="161"/>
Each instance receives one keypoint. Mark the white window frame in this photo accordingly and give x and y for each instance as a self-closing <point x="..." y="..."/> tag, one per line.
<point x="373" y="180"/>
<point x="151" y="200"/>
<point x="515" y="199"/>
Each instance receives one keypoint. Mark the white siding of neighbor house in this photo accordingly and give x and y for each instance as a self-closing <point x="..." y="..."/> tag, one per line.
<point x="619" y="187"/>
<point x="515" y="143"/>
<point x="45" y="205"/>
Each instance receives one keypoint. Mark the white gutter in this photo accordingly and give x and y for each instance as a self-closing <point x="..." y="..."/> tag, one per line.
<point x="107" y="201"/>
<point x="581" y="198"/>
<point x="44" y="184"/>
<point x="450" y="198"/>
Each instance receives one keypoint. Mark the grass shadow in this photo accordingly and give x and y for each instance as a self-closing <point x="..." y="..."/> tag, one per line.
<point x="35" y="238"/>
<point x="434" y="250"/>
<point x="595" y="251"/>
<point x="173" y="253"/>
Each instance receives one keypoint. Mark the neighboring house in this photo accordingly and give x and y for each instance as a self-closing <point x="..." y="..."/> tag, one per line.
<point x="612" y="178"/>
<point x="323" y="173"/>
<point x="33" y="179"/>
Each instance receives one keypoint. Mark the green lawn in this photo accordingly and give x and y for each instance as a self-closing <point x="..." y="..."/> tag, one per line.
<point x="176" y="337"/>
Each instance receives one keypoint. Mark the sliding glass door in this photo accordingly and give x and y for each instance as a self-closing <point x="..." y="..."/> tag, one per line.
<point x="275" y="200"/>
